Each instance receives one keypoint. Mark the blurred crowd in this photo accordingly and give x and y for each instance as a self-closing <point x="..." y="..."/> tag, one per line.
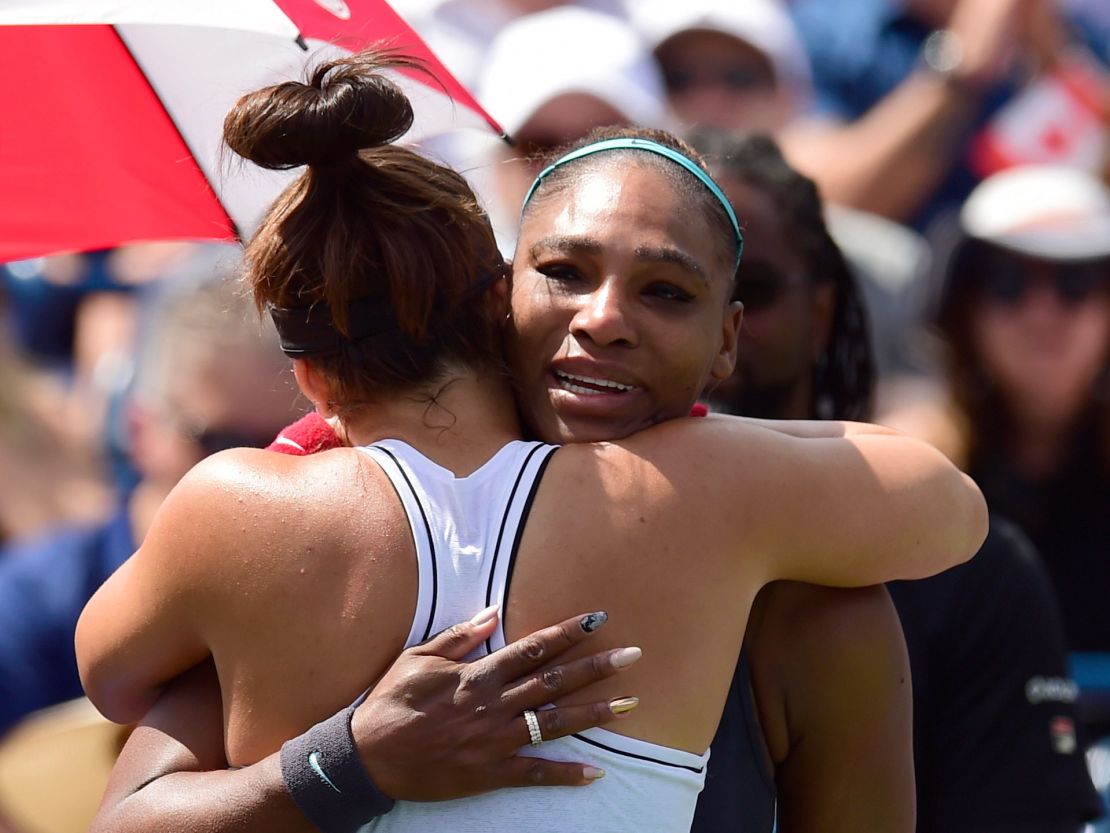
<point x="962" y="152"/>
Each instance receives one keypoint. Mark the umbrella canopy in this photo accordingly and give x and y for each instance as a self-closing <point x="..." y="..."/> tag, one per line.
<point x="114" y="109"/>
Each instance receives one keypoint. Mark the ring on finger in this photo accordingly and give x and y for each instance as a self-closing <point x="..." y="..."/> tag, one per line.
<point x="533" y="727"/>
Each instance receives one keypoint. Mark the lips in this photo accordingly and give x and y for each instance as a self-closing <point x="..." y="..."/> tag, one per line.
<point x="590" y="385"/>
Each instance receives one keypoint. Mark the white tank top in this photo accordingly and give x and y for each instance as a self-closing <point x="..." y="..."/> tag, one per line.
<point x="467" y="531"/>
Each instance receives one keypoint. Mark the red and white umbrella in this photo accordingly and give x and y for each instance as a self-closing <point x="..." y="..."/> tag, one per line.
<point x="113" y="111"/>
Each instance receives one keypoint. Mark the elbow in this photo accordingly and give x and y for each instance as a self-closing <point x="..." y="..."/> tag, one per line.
<point x="977" y="521"/>
<point x="113" y="695"/>
<point x="964" y="525"/>
<point x="115" y="700"/>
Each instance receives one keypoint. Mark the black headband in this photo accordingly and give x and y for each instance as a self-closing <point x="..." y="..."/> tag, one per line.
<point x="311" y="331"/>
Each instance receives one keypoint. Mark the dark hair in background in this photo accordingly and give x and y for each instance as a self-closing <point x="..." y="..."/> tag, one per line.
<point x="368" y="221"/>
<point x="844" y="378"/>
<point x="684" y="182"/>
<point x="984" y="418"/>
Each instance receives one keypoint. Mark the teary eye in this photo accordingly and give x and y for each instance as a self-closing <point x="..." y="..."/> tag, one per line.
<point x="669" y="292"/>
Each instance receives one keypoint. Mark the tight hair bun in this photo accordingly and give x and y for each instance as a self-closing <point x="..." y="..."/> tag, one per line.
<point x="346" y="105"/>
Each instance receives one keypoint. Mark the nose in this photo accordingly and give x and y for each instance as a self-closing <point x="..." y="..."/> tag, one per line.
<point x="604" y="318"/>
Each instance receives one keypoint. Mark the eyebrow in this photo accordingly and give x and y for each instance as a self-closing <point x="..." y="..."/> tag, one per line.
<point x="565" y="243"/>
<point x="561" y="243"/>
<point x="669" y="254"/>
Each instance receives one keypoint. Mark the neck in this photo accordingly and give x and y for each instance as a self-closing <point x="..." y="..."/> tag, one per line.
<point x="459" y="421"/>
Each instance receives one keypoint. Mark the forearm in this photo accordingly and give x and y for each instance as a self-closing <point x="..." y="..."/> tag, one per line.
<point x="248" y="800"/>
<point x="818" y="429"/>
<point x="172" y="774"/>
<point x="889" y="160"/>
<point x="420" y="729"/>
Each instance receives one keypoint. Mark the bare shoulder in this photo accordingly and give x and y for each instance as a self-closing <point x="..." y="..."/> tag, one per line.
<point x="240" y="494"/>
<point x="687" y="452"/>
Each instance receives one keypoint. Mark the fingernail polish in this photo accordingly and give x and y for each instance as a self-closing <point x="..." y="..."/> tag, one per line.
<point x="624" y="657"/>
<point x="592" y="621"/>
<point x="592" y="773"/>
<point x="623" y="705"/>
<point x="484" y="616"/>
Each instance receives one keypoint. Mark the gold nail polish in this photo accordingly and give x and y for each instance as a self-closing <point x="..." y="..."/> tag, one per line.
<point x="622" y="705"/>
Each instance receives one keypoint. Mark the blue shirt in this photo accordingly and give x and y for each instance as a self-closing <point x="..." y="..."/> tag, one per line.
<point x="44" y="584"/>
<point x="861" y="50"/>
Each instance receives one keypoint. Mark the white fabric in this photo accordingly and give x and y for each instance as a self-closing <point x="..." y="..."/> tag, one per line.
<point x="569" y="49"/>
<point x="200" y="56"/>
<point x="199" y="99"/>
<point x="1049" y="211"/>
<point x="251" y="15"/>
<point x="472" y="525"/>
<point x="764" y="24"/>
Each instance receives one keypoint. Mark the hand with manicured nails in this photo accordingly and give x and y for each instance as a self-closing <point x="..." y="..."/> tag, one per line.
<point x="436" y="728"/>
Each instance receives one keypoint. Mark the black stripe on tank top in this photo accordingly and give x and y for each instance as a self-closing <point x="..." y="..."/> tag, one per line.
<point x="427" y="533"/>
<point x="501" y="534"/>
<point x="584" y="739"/>
<point x="524" y="519"/>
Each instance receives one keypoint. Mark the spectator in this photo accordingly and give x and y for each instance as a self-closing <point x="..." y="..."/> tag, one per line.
<point x="208" y="380"/>
<point x="550" y="78"/>
<point x="460" y="31"/>
<point x="1026" y="315"/>
<point x="905" y="90"/>
<point x="985" y="641"/>
<point x="734" y="66"/>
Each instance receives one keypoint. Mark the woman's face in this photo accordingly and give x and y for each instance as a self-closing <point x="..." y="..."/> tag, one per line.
<point x="1042" y="334"/>
<point x="716" y="80"/>
<point x="620" y="313"/>
<point x="787" y="315"/>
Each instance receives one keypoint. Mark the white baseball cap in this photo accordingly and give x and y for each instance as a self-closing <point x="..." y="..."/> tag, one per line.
<point x="763" y="24"/>
<point x="1045" y="211"/>
<point x="540" y="57"/>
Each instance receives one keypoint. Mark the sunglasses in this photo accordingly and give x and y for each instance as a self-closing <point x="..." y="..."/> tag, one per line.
<point x="1006" y="280"/>
<point x="734" y="79"/>
<point x="759" y="285"/>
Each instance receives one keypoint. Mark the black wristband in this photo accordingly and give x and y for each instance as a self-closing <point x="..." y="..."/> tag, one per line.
<point x="326" y="779"/>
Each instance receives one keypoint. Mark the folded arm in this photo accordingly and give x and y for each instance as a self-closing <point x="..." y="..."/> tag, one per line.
<point x="418" y="736"/>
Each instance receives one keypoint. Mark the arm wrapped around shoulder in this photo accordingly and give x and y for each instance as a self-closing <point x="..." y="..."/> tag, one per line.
<point x="841" y="504"/>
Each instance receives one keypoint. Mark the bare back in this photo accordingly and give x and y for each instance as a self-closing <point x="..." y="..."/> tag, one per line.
<point x="298" y="574"/>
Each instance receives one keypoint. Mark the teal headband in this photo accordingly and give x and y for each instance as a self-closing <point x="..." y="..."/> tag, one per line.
<point x="656" y="148"/>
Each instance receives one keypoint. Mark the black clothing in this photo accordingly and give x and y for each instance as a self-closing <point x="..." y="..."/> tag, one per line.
<point x="739" y="791"/>
<point x="1067" y="517"/>
<point x="995" y="737"/>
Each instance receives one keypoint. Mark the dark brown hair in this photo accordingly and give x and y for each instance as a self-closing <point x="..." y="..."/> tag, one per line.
<point x="371" y="222"/>
<point x="984" y="416"/>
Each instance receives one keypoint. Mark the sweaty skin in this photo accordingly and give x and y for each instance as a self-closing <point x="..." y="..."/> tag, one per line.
<point x="651" y="300"/>
<point x="588" y="300"/>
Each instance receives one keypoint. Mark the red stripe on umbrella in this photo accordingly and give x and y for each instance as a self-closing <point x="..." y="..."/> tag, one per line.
<point x="113" y="125"/>
<point x="118" y="169"/>
<point x="357" y="24"/>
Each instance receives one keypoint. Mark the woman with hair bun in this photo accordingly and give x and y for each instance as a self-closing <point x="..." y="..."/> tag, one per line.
<point x="382" y="276"/>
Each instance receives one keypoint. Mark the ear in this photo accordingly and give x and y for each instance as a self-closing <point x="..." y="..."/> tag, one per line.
<point x="500" y="292"/>
<point x="725" y="360"/>
<point x="314" y="385"/>
<point x="824" y="305"/>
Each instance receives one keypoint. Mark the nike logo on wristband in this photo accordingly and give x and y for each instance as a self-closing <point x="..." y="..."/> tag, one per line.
<point x="314" y="762"/>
